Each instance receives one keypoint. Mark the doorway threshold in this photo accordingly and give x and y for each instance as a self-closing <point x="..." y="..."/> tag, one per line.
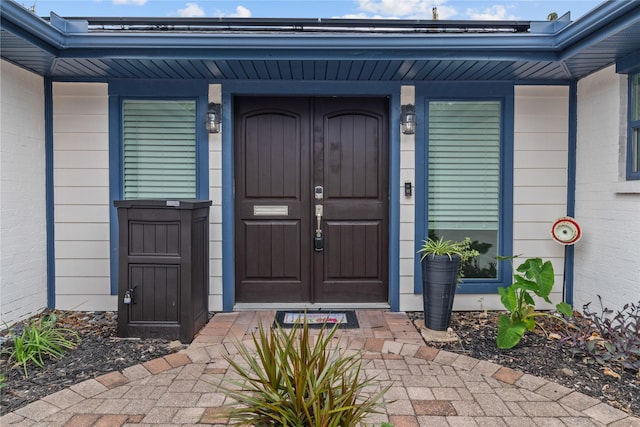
<point x="250" y="306"/>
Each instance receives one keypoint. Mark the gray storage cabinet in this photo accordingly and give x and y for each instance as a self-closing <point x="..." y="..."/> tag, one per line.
<point x="163" y="268"/>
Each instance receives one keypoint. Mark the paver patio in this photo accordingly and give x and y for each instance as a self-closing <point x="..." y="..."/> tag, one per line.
<point x="430" y="387"/>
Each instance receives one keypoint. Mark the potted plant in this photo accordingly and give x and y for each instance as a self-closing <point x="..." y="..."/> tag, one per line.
<point x="441" y="260"/>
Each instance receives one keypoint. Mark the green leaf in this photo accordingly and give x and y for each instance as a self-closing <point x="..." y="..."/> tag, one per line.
<point x="508" y="297"/>
<point x="509" y="334"/>
<point x="525" y="284"/>
<point x="565" y="309"/>
<point x="530" y="323"/>
<point x="528" y="299"/>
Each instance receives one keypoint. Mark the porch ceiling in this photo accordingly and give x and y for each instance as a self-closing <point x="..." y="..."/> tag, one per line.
<point x="608" y="34"/>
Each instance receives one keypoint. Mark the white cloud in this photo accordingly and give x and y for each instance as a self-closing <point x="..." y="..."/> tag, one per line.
<point x="494" y="13"/>
<point x="133" y="2"/>
<point x="412" y="9"/>
<point x="191" y="10"/>
<point x="242" y="12"/>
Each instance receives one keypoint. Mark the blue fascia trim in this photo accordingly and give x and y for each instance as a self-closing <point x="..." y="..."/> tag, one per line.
<point x="64" y="79"/>
<point x="504" y="92"/>
<point x="49" y="193"/>
<point x="629" y="64"/>
<point x="569" y="252"/>
<point x="390" y="51"/>
<point x="603" y="21"/>
<point x="37" y="30"/>
<point x="301" y="88"/>
<point x="590" y="28"/>
<point x="151" y="89"/>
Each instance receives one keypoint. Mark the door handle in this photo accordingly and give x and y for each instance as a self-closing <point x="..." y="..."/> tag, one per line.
<point x="318" y="238"/>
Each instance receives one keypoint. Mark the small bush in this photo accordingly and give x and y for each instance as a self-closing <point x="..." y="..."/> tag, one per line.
<point x="40" y="338"/>
<point x="287" y="381"/>
<point x="607" y="339"/>
<point x="533" y="278"/>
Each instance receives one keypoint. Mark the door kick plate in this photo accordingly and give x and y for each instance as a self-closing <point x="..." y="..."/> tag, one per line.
<point x="267" y="210"/>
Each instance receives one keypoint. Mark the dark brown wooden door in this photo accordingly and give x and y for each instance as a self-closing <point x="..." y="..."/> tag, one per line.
<point x="284" y="149"/>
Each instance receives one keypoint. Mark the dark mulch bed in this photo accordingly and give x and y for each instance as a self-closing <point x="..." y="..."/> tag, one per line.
<point x="99" y="352"/>
<point x="538" y="355"/>
<point x="102" y="352"/>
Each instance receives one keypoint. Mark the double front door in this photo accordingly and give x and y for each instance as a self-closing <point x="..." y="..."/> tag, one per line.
<point x="311" y="199"/>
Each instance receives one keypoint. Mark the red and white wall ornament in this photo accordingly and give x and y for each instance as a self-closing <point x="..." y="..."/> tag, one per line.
<point x="566" y="231"/>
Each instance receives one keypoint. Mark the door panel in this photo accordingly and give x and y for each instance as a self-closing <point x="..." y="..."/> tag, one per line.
<point x="272" y="233"/>
<point x="350" y="160"/>
<point x="284" y="148"/>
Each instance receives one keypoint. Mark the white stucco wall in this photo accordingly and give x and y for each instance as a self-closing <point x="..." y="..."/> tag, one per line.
<point x="23" y="252"/>
<point x="81" y="186"/>
<point x="607" y="258"/>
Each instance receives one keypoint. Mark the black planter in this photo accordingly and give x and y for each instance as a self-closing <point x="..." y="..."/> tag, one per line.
<point x="439" y="282"/>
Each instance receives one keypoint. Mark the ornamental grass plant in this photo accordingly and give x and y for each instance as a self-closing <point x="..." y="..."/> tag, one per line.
<point x="288" y="381"/>
<point x="40" y="339"/>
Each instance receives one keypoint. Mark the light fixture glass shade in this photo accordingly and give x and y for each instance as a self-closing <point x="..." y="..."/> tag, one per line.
<point x="408" y="119"/>
<point x="213" y="118"/>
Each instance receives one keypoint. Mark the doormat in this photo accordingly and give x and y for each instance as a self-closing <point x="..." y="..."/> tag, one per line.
<point x="315" y="319"/>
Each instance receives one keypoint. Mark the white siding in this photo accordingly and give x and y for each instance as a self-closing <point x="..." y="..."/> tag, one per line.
<point x="23" y="251"/>
<point x="215" y="213"/>
<point x="541" y="126"/>
<point x="607" y="258"/>
<point x="81" y="185"/>
<point x="408" y="300"/>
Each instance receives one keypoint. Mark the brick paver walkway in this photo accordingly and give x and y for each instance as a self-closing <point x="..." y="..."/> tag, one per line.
<point x="429" y="387"/>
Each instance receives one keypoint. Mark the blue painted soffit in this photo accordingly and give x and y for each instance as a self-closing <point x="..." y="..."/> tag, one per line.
<point x="219" y="49"/>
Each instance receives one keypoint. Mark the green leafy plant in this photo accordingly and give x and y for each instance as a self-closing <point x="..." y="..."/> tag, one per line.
<point x="606" y="338"/>
<point x="449" y="248"/>
<point x="534" y="277"/>
<point x="40" y="338"/>
<point x="287" y="381"/>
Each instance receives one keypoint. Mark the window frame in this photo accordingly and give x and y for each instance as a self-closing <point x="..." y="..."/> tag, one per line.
<point x="154" y="89"/>
<point x="633" y="126"/>
<point x="502" y="92"/>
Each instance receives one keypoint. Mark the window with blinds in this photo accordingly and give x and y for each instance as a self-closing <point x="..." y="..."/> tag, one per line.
<point x="464" y="175"/>
<point x="159" y="149"/>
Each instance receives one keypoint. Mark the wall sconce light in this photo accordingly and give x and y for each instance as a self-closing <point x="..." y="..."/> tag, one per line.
<point x="408" y="119"/>
<point x="213" y="118"/>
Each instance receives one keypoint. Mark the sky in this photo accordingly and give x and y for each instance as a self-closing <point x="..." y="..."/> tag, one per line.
<point x="527" y="10"/>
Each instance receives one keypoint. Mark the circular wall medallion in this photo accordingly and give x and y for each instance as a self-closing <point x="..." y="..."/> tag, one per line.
<point x="566" y="231"/>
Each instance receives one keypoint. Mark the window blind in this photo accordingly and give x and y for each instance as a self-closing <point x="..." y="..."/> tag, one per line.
<point x="159" y="153"/>
<point x="464" y="165"/>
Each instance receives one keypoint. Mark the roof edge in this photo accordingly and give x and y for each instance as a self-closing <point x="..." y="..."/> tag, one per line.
<point x="38" y="29"/>
<point x="595" y="20"/>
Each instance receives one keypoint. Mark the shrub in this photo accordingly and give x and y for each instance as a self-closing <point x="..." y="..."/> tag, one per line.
<point x="534" y="278"/>
<point x="288" y="382"/>
<point x="40" y="338"/>
<point x="606" y="339"/>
